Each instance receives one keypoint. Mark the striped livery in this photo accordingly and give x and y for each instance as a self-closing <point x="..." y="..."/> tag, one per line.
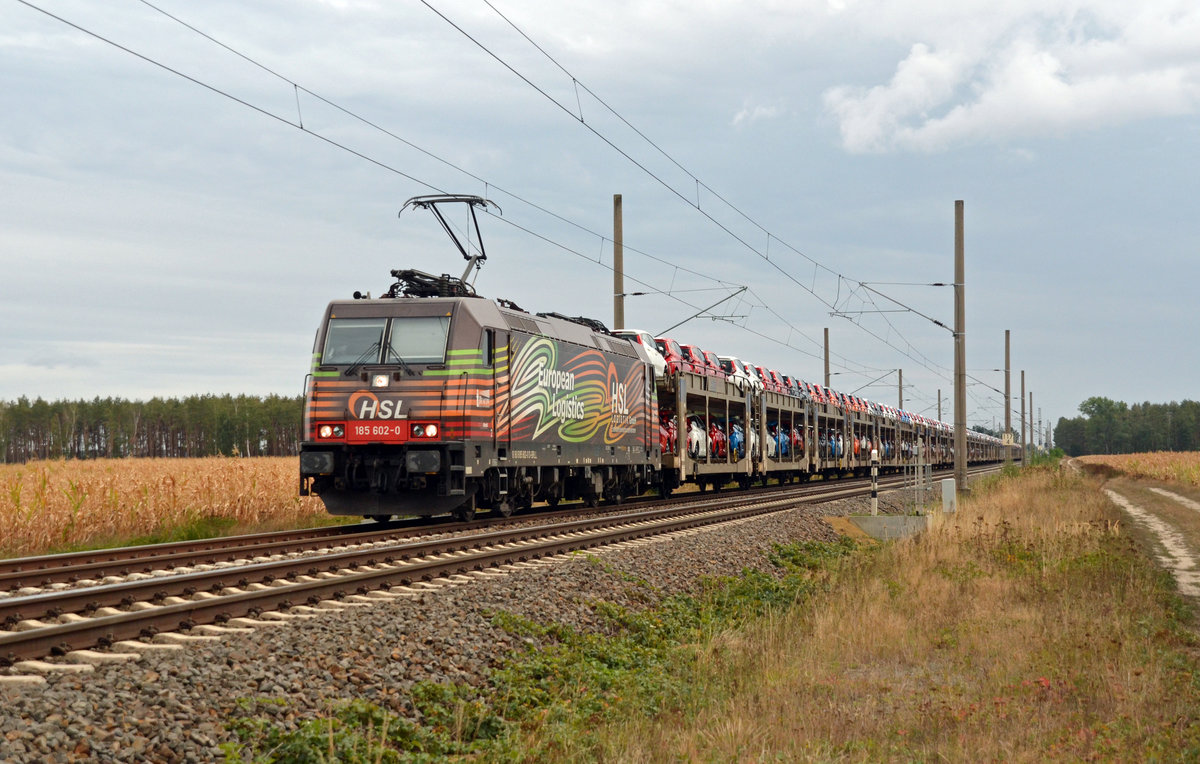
<point x="423" y="406"/>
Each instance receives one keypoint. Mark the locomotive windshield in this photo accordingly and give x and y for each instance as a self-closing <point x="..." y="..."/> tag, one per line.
<point x="418" y="339"/>
<point x="353" y="340"/>
<point x="406" y="339"/>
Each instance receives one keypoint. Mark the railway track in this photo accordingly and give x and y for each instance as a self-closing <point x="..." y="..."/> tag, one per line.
<point x="28" y="575"/>
<point x="277" y="576"/>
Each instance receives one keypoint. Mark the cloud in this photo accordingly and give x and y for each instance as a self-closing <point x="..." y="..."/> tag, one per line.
<point x="1034" y="76"/>
<point x="870" y="119"/>
<point x="751" y="114"/>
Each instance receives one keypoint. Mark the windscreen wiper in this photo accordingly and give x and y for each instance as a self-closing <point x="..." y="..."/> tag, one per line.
<point x="362" y="358"/>
<point x="391" y="352"/>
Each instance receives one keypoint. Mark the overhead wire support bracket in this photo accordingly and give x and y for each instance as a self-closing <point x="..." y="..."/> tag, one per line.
<point x="703" y="311"/>
<point x="907" y="308"/>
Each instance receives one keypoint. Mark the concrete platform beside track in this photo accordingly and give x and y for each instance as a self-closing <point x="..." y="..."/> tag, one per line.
<point x="891" y="527"/>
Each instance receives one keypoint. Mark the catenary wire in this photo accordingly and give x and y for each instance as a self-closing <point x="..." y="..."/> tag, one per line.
<point x="383" y="165"/>
<point x="924" y="360"/>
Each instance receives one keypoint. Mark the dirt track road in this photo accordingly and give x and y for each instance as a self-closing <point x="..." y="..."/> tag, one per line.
<point x="1168" y="515"/>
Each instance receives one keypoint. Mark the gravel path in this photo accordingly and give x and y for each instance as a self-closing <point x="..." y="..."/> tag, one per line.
<point x="172" y="706"/>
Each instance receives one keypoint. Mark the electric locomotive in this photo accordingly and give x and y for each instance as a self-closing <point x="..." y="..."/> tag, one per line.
<point x="431" y="399"/>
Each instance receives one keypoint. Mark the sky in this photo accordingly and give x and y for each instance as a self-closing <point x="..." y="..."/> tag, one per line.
<point x="185" y="186"/>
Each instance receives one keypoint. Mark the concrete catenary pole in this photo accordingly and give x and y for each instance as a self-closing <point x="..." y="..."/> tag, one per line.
<point x="1008" y="438"/>
<point x="1032" y="431"/>
<point x="618" y="265"/>
<point x="939" y="404"/>
<point x="1038" y="431"/>
<point x="827" y="357"/>
<point x="900" y="388"/>
<point x="960" y="353"/>
<point x="1024" y="428"/>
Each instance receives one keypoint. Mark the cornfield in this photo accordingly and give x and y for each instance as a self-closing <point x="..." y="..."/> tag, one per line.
<point x="1171" y="466"/>
<point x="54" y="505"/>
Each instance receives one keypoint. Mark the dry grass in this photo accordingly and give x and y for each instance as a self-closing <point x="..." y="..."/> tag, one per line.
<point x="1173" y="466"/>
<point x="56" y="505"/>
<point x="1026" y="628"/>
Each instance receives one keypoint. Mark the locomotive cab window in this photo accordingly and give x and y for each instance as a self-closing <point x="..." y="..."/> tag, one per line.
<point x="418" y="339"/>
<point x="353" y="340"/>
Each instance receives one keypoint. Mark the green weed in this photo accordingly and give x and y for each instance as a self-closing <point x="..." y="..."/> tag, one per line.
<point x="638" y="662"/>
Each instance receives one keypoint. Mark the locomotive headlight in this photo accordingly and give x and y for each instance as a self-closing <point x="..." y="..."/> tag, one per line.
<point x="379" y="380"/>
<point x="326" y="431"/>
<point x="424" y="430"/>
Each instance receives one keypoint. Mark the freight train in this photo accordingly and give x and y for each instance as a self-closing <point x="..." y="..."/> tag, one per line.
<point x="431" y="399"/>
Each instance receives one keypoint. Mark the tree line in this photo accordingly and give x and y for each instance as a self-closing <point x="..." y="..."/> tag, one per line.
<point x="1112" y="427"/>
<point x="247" y="425"/>
<point x="199" y="425"/>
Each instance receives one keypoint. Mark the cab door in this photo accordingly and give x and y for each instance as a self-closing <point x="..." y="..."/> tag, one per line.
<point x="497" y="356"/>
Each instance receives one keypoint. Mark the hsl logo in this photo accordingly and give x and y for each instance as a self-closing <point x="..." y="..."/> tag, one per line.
<point x="366" y="405"/>
<point x="619" y="404"/>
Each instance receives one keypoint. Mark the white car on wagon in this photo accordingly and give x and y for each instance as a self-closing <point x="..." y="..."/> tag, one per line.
<point x="646" y="340"/>
<point x="741" y="375"/>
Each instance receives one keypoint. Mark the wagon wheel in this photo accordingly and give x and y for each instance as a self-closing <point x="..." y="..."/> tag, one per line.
<point x="466" y="512"/>
<point x="504" y="507"/>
